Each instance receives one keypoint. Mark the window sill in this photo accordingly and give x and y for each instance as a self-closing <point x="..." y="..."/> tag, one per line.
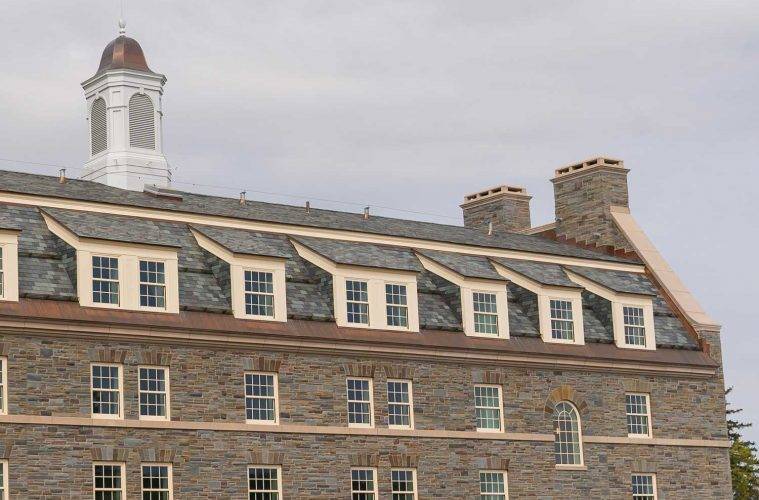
<point x="640" y="436"/>
<point x="262" y="422"/>
<point x="572" y="467"/>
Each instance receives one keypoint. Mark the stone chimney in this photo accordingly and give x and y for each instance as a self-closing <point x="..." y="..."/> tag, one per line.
<point x="506" y="207"/>
<point x="584" y="193"/>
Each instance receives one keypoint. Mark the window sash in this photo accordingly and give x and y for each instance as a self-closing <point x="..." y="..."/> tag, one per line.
<point x="493" y="485"/>
<point x="485" y="313"/>
<point x="109" y="481"/>
<point x="106" y="390"/>
<point x="105" y="280"/>
<point x="568" y="438"/>
<point x="562" y="320"/>
<point x="488" y="408"/>
<point x="261" y="398"/>
<point x="264" y="483"/>
<point x="153" y="392"/>
<point x="396" y="305"/>
<point x="156" y="481"/>
<point x="4" y="480"/>
<point x="403" y="484"/>
<point x="359" y="397"/>
<point x="2" y="275"/>
<point x="634" y="326"/>
<point x="400" y="409"/>
<point x="643" y="486"/>
<point x="3" y="387"/>
<point x="153" y="284"/>
<point x="259" y="293"/>
<point x="638" y="411"/>
<point x="364" y="484"/>
<point x="357" y="301"/>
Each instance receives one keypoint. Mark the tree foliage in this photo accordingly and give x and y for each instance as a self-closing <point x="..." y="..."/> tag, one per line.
<point x="744" y="463"/>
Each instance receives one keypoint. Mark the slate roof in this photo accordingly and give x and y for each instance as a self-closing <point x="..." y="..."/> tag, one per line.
<point x="74" y="189"/>
<point x="248" y="242"/>
<point x="544" y="273"/>
<point x="469" y="266"/>
<point x="363" y="254"/>
<point x="635" y="283"/>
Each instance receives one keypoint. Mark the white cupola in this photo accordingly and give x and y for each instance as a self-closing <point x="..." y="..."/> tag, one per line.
<point x="125" y="119"/>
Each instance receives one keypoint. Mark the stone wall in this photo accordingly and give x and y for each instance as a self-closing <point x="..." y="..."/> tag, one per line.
<point x="50" y="376"/>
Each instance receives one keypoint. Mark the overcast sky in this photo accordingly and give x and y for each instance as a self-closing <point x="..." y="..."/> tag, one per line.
<point x="412" y="104"/>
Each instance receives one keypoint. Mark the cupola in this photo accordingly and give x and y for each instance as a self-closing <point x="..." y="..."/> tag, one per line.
<point x="125" y="119"/>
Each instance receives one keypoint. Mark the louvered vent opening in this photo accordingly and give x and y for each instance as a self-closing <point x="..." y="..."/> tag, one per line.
<point x="141" y="122"/>
<point x="98" y="127"/>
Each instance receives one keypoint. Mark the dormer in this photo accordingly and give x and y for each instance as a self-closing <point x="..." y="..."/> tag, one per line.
<point x="374" y="286"/>
<point x="631" y="297"/>
<point x="560" y="314"/>
<point x="484" y="301"/>
<point x="8" y="261"/>
<point x="119" y="267"/>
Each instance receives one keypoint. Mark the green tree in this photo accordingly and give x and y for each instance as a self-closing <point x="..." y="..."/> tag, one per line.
<point x="744" y="464"/>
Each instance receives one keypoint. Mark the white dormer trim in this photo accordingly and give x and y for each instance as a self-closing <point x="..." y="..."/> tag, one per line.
<point x="545" y="294"/>
<point x="376" y="280"/>
<point x="469" y="286"/>
<point x="238" y="265"/>
<point x="129" y="256"/>
<point x="9" y="268"/>
<point x="618" y="302"/>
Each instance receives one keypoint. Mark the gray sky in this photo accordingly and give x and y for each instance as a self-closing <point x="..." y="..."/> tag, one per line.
<point x="412" y="104"/>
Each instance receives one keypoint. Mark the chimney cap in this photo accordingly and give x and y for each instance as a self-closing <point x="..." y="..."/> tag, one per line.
<point x="595" y="162"/>
<point x="501" y="191"/>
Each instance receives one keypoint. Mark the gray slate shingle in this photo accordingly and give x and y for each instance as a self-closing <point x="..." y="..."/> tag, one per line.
<point x="619" y="281"/>
<point x="245" y="242"/>
<point x="543" y="272"/>
<point x="363" y="254"/>
<point x="469" y="266"/>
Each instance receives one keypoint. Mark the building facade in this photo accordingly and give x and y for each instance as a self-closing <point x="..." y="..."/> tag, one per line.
<point x="160" y="344"/>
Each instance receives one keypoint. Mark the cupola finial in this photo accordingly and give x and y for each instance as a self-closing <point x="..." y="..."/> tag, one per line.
<point x="122" y="27"/>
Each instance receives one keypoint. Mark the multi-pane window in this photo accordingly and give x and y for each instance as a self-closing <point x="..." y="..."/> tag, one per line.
<point x="485" y="313"/>
<point x="396" y="305"/>
<point x="357" y="301"/>
<point x="153" y="389"/>
<point x="493" y="485"/>
<point x="635" y="329"/>
<point x="2" y="278"/>
<point x="487" y="407"/>
<point x="400" y="412"/>
<point x="360" y="402"/>
<point x="562" y="323"/>
<point x="3" y="480"/>
<point x="403" y="484"/>
<point x="105" y="280"/>
<point x="644" y="487"/>
<point x="264" y="483"/>
<point x="259" y="293"/>
<point x="261" y="398"/>
<point x="567" y="442"/>
<point x="363" y="484"/>
<point x="108" y="481"/>
<point x="106" y="391"/>
<point x="638" y="415"/>
<point x="156" y="482"/>
<point x="3" y="387"/>
<point x="152" y="284"/>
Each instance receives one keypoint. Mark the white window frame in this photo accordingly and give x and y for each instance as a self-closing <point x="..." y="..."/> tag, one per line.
<point x="162" y="285"/>
<point x="275" y="377"/>
<point x="3" y="385"/>
<point x="402" y="307"/>
<point x="500" y="406"/>
<point x="371" y="403"/>
<point x="376" y="280"/>
<point x="505" y="476"/>
<point x="410" y="403"/>
<point x="9" y="265"/>
<point x="580" y="465"/>
<point x="238" y="264"/>
<point x="120" y="415"/>
<point x="653" y="482"/>
<point x="468" y="287"/>
<point x="647" y="397"/>
<point x="170" y="477"/>
<point x="166" y="392"/>
<point x="4" y="468"/>
<point x="367" y="303"/>
<point x="278" y="468"/>
<point x="273" y="293"/>
<point x="415" y="493"/>
<point x="119" y="286"/>
<point x="618" y="302"/>
<point x="375" y="490"/>
<point x="122" y="469"/>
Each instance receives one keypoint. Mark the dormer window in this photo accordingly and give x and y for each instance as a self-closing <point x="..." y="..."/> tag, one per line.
<point x="259" y="293"/>
<point x="396" y="305"/>
<point x="152" y="284"/>
<point x="562" y="322"/>
<point x="105" y="280"/>
<point x="485" y="313"/>
<point x="357" y="302"/>
<point x="634" y="324"/>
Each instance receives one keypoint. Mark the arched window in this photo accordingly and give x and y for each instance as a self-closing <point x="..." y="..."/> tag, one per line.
<point x="98" y="126"/>
<point x="141" y="122"/>
<point x="568" y="441"/>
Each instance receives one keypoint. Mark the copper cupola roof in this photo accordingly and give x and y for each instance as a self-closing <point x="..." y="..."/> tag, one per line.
<point x="123" y="53"/>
